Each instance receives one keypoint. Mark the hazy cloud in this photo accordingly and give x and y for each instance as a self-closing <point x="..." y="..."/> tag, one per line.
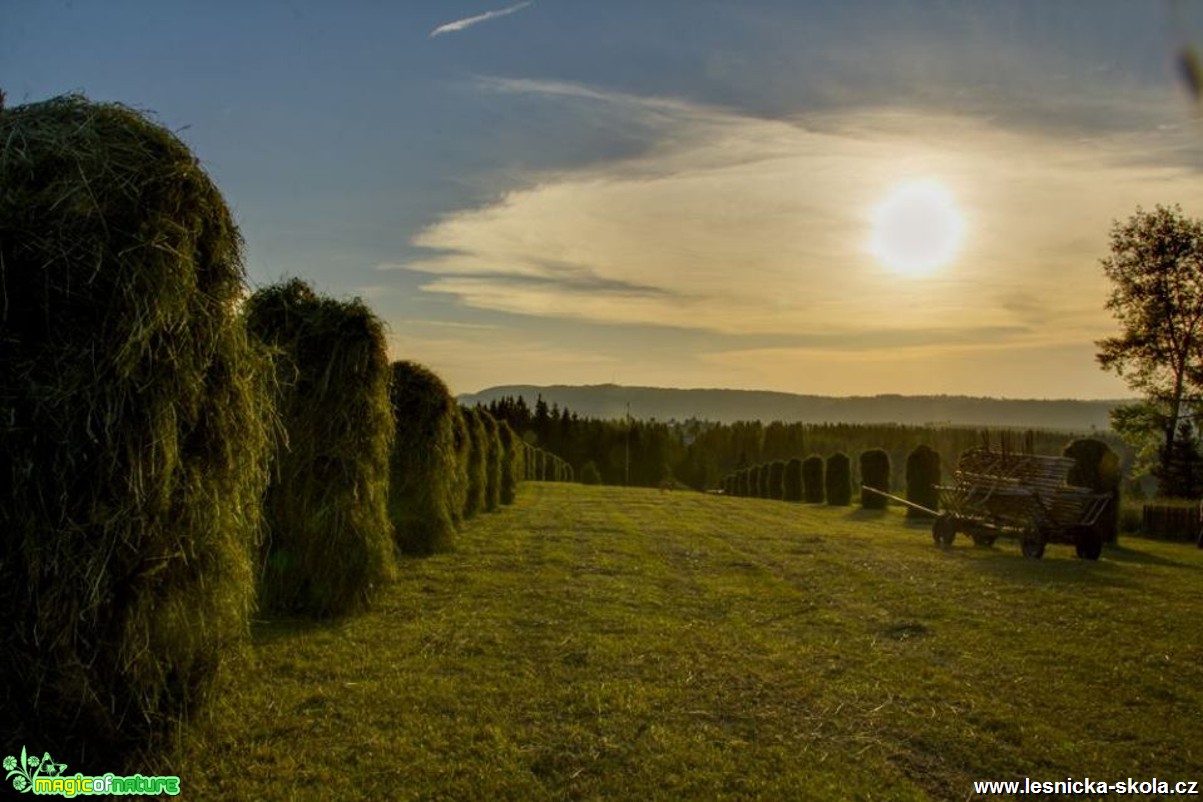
<point x="739" y="224"/>
<point x="468" y="22"/>
<point x="735" y="225"/>
<point x="1006" y="369"/>
<point x="476" y="359"/>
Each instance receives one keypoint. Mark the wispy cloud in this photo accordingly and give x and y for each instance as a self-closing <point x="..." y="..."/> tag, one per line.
<point x="468" y="22"/>
<point x="733" y="224"/>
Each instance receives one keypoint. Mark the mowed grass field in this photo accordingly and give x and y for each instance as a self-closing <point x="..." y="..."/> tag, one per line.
<point x="605" y="643"/>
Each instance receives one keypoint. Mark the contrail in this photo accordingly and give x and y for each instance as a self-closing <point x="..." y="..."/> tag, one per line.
<point x="468" y="22"/>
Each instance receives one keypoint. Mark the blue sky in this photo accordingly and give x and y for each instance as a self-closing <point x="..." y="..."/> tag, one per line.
<point x="669" y="193"/>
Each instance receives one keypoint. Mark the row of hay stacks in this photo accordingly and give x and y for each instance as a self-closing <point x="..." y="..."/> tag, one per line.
<point x="543" y="466"/>
<point x="814" y="479"/>
<point x="177" y="457"/>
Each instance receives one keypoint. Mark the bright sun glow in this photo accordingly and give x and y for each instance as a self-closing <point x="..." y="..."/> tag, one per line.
<point x="917" y="228"/>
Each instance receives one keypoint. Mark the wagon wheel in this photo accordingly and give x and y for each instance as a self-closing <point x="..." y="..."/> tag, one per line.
<point x="984" y="540"/>
<point x="944" y="530"/>
<point x="1089" y="542"/>
<point x="1032" y="544"/>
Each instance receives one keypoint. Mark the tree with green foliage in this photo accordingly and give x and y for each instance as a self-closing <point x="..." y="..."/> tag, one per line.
<point x="590" y="474"/>
<point x="812" y="479"/>
<point x="839" y="480"/>
<point x="1156" y="274"/>
<point x="875" y="473"/>
<point x="922" y="476"/>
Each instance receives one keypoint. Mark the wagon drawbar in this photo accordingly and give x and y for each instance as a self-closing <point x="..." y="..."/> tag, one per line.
<point x="1024" y="496"/>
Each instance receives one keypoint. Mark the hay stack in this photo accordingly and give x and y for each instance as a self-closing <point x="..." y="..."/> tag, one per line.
<point x="462" y="445"/>
<point x="135" y="422"/>
<point x="777" y="479"/>
<point x="874" y="472"/>
<point x="792" y="481"/>
<point x="493" y="460"/>
<point x="330" y="543"/>
<point x="812" y="479"/>
<point x="922" y="476"/>
<point x="478" y="455"/>
<point x="424" y="463"/>
<point x="839" y="480"/>
<point x="511" y="463"/>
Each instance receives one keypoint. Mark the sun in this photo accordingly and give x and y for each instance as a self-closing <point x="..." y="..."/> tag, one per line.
<point x="917" y="228"/>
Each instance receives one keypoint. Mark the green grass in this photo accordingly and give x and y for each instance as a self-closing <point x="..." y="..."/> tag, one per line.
<point x="601" y="643"/>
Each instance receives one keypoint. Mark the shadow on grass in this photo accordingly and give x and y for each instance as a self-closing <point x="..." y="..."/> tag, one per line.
<point x="862" y="514"/>
<point x="1058" y="566"/>
<point x="1124" y="554"/>
<point x="265" y="631"/>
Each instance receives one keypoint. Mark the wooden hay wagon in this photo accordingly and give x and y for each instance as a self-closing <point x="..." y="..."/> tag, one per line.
<point x="1024" y="496"/>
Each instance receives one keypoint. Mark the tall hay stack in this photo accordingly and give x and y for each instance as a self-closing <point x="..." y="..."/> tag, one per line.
<point x="922" y="476"/>
<point x="462" y="444"/>
<point x="812" y="479"/>
<point x="478" y="456"/>
<point x="528" y="460"/>
<point x="424" y="463"/>
<point x="330" y="543"/>
<point x="792" y="481"/>
<point x="135" y="417"/>
<point x="511" y="463"/>
<point x="875" y="473"/>
<point x="777" y="479"/>
<point x="493" y="460"/>
<point x="839" y="480"/>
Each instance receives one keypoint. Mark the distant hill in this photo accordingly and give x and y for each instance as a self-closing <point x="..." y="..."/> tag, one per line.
<point x="726" y="406"/>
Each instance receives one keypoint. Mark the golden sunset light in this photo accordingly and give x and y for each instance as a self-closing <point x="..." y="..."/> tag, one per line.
<point x="528" y="399"/>
<point x="917" y="228"/>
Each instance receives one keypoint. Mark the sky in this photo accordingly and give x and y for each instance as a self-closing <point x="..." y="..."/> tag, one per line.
<point x="679" y="193"/>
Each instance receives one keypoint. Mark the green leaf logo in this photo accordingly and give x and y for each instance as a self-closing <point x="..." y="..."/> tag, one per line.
<point x="24" y="771"/>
